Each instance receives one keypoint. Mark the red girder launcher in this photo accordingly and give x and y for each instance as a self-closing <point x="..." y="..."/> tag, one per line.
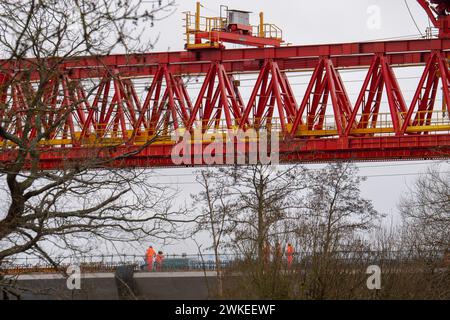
<point x="233" y="26"/>
<point x="318" y="124"/>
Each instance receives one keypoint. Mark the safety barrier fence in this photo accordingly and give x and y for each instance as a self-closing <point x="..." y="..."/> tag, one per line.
<point x="207" y="262"/>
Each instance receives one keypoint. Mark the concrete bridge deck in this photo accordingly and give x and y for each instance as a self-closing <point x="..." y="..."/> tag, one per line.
<point x="190" y="285"/>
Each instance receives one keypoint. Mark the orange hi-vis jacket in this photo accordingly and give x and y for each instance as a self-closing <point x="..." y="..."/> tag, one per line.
<point x="290" y="250"/>
<point x="159" y="258"/>
<point x="150" y="254"/>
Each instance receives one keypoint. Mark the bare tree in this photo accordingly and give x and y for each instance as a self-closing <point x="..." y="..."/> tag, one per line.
<point x="337" y="234"/>
<point x="214" y="210"/>
<point x="335" y="207"/>
<point x="264" y="198"/>
<point x="250" y="205"/>
<point x="334" y="220"/>
<point x="69" y="208"/>
<point x="426" y="210"/>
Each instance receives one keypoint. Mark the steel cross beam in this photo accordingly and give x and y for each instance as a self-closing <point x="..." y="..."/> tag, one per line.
<point x="343" y="55"/>
<point x="436" y="72"/>
<point x="390" y="148"/>
<point x="380" y="77"/>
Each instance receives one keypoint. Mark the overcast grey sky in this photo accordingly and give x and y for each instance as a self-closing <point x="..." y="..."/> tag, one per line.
<point x="304" y="21"/>
<point x="315" y="22"/>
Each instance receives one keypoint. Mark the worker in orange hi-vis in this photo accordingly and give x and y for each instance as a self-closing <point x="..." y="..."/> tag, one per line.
<point x="149" y="255"/>
<point x="290" y="254"/>
<point x="159" y="261"/>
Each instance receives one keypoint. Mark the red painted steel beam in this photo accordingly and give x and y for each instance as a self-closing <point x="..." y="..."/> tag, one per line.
<point x="435" y="76"/>
<point x="266" y="94"/>
<point x="215" y="100"/>
<point x="391" y="148"/>
<point x="325" y="84"/>
<point x="344" y="55"/>
<point x="431" y="14"/>
<point x="254" y="65"/>
<point x="437" y="11"/>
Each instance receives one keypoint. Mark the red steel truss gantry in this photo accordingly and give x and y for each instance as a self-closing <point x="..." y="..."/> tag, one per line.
<point x="101" y="113"/>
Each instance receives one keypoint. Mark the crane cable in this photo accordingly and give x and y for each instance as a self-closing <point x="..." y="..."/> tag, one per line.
<point x="412" y="17"/>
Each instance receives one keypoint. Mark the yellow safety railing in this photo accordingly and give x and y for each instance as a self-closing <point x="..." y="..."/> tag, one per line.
<point x="438" y="122"/>
<point x="195" y="24"/>
<point x="268" y="30"/>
